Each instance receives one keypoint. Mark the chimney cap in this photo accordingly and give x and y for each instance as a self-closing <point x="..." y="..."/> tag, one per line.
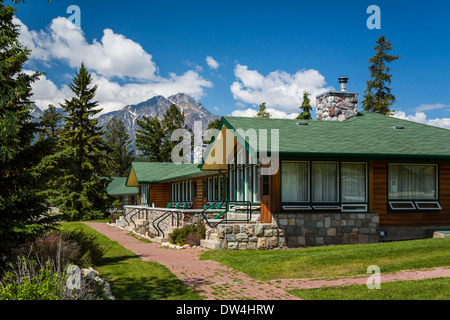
<point x="343" y="80"/>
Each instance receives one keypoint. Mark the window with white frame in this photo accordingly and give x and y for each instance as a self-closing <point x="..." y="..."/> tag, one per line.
<point x="244" y="177"/>
<point x="181" y="191"/>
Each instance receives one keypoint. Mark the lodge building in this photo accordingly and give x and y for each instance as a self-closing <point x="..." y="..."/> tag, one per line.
<point x="348" y="177"/>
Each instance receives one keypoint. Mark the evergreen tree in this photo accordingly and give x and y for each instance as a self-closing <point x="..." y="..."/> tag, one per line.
<point x="50" y="123"/>
<point x="378" y="96"/>
<point x="153" y="140"/>
<point x="119" y="154"/>
<point x="306" y="107"/>
<point x="22" y="167"/>
<point x="262" y="113"/>
<point x="213" y="124"/>
<point x="149" y="139"/>
<point x="81" y="190"/>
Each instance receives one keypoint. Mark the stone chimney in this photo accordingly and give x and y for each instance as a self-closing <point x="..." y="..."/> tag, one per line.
<point x="337" y="105"/>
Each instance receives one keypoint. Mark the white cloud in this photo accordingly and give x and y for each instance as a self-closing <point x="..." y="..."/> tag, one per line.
<point x="279" y="89"/>
<point x="421" y="117"/>
<point x="427" y="107"/>
<point x="114" y="57"/>
<point x="274" y="113"/>
<point x="213" y="64"/>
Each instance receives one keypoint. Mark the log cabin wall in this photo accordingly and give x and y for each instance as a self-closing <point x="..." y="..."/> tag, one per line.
<point x="378" y="199"/>
<point x="159" y="195"/>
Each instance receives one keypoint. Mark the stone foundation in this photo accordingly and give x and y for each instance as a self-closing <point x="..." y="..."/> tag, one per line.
<point x="317" y="229"/>
<point x="250" y="236"/>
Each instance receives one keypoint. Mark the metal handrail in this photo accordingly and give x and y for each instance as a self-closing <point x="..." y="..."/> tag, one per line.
<point x="125" y="216"/>
<point x="248" y="209"/>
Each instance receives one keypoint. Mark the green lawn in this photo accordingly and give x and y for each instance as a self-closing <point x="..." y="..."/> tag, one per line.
<point x="134" y="279"/>
<point x="336" y="261"/>
<point x="429" y="289"/>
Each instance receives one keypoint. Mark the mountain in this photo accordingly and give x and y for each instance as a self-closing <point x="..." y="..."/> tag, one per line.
<point x="154" y="107"/>
<point x="157" y="107"/>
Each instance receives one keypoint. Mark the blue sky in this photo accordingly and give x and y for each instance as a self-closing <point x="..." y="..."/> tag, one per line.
<point x="262" y="51"/>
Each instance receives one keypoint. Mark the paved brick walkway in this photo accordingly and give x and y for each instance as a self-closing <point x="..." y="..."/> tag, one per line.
<point x="215" y="281"/>
<point x="211" y="279"/>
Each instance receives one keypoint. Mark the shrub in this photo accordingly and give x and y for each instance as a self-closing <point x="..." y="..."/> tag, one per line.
<point x="27" y="280"/>
<point x="190" y="234"/>
<point x="64" y="247"/>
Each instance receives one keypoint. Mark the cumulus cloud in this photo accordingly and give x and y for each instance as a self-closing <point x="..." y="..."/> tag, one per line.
<point x="213" y="64"/>
<point x="280" y="90"/>
<point x="112" y="58"/>
<point x="421" y="117"/>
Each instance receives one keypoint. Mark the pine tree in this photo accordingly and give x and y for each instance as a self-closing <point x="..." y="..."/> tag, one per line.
<point x="262" y="113"/>
<point x="149" y="139"/>
<point x="50" y="123"/>
<point x="153" y="140"/>
<point x="306" y="107"/>
<point x="81" y="191"/>
<point x="213" y="124"/>
<point x="119" y="154"/>
<point x="378" y="96"/>
<point x="22" y="167"/>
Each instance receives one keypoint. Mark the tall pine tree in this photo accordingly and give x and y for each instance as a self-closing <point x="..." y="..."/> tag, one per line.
<point x="22" y="161"/>
<point x="306" y="107"/>
<point x="81" y="190"/>
<point x="378" y="96"/>
<point x="119" y="144"/>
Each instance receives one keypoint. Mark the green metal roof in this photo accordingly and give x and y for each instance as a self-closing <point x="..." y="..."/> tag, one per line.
<point x="369" y="134"/>
<point x="117" y="187"/>
<point x="153" y="172"/>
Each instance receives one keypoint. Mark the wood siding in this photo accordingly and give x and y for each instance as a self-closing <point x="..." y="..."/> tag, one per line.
<point x="159" y="195"/>
<point x="378" y="199"/>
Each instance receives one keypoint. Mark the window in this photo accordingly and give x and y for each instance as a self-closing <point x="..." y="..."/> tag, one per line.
<point x="324" y="185"/>
<point x="412" y="181"/>
<point x="144" y="194"/>
<point x="244" y="178"/>
<point x="353" y="182"/>
<point x="181" y="191"/>
<point x="295" y="178"/>
<point x="324" y="182"/>
<point x="216" y="188"/>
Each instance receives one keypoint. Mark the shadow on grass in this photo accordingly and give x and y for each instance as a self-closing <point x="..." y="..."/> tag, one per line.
<point x="150" y="288"/>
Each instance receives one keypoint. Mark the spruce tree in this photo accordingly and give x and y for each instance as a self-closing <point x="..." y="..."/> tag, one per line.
<point x="262" y="113"/>
<point x="23" y="170"/>
<point x="149" y="139"/>
<point x="119" y="144"/>
<point x="50" y="123"/>
<point x="81" y="190"/>
<point x="153" y="140"/>
<point x="378" y="96"/>
<point x="306" y="107"/>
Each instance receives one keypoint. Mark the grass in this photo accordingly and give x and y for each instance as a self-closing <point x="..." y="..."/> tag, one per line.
<point x="134" y="279"/>
<point x="429" y="289"/>
<point x="336" y="261"/>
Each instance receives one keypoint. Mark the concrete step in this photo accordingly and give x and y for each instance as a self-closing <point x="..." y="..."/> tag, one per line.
<point x="212" y="236"/>
<point x="160" y="239"/>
